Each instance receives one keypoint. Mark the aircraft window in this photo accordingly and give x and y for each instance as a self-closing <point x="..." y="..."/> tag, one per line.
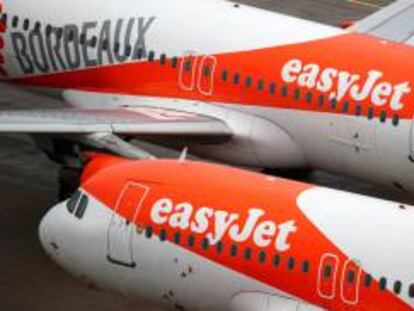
<point x="247" y="253"/>
<point x="297" y="94"/>
<point x="148" y="232"/>
<point x="327" y="272"/>
<point x="260" y="85"/>
<point x="411" y="291"/>
<point x="140" y="53"/>
<point x="262" y="256"/>
<point x="83" y="204"/>
<point x="37" y="27"/>
<point x="285" y="91"/>
<point x="309" y="97"/>
<point x="233" y="250"/>
<point x="151" y="56"/>
<point x="305" y="266"/>
<point x="358" y="110"/>
<point x="224" y="75"/>
<point x="94" y="41"/>
<point x="26" y="24"/>
<point x="397" y="287"/>
<point x="59" y="33"/>
<point x="163" y="235"/>
<point x="249" y="81"/>
<point x="82" y="40"/>
<point x="383" y="283"/>
<point x="219" y="247"/>
<point x="368" y="280"/>
<point x="321" y="100"/>
<point x="128" y="50"/>
<point x="48" y="30"/>
<point x="236" y="78"/>
<point x="163" y="59"/>
<point x="105" y="43"/>
<point x="351" y="277"/>
<point x="191" y="241"/>
<point x="15" y="21"/>
<point x="333" y="103"/>
<point x="370" y="113"/>
<point x="276" y="260"/>
<point x="187" y="66"/>
<point x="177" y="237"/>
<point x="206" y="71"/>
<point x="272" y="88"/>
<point x="174" y="62"/>
<point x="383" y="116"/>
<point x="291" y="263"/>
<point x="395" y="120"/>
<point x="73" y="201"/>
<point x="345" y="107"/>
<point x="205" y="244"/>
<point x="4" y="18"/>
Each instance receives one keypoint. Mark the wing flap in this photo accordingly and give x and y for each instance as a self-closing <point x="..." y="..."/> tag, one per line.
<point x="134" y="121"/>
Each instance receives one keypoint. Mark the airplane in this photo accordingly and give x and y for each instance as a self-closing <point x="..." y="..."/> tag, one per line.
<point x="189" y="235"/>
<point x="231" y="82"/>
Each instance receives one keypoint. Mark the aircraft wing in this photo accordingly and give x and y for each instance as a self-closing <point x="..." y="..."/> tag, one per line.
<point x="144" y="121"/>
<point x="394" y="22"/>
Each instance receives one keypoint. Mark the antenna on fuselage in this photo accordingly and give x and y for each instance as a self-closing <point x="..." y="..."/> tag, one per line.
<point x="183" y="155"/>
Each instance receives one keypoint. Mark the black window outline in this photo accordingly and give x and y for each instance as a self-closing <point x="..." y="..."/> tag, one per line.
<point x="163" y="236"/>
<point x="272" y="88"/>
<point x="327" y="271"/>
<point x="382" y="283"/>
<point x="82" y="206"/>
<point x="26" y="24"/>
<point x="191" y="240"/>
<point x="305" y="266"/>
<point x="72" y="203"/>
<point x="321" y="100"/>
<point x="397" y="287"/>
<point x="163" y="59"/>
<point x="262" y="256"/>
<point x="236" y="78"/>
<point x="260" y="85"/>
<point x="247" y="254"/>
<point x="233" y="250"/>
<point x="285" y="91"/>
<point x="411" y="291"/>
<point x="205" y="244"/>
<point x="309" y="97"/>
<point x="277" y="260"/>
<point x="358" y="110"/>
<point x="37" y="26"/>
<point x="224" y="75"/>
<point x="140" y="53"/>
<point x="82" y="41"/>
<point x="149" y="232"/>
<point x="396" y="120"/>
<point x="351" y="277"/>
<point x="291" y="263"/>
<point x="174" y="62"/>
<point x="15" y="21"/>
<point x="128" y="50"/>
<point x="177" y="237"/>
<point x="383" y="116"/>
<point x="368" y="280"/>
<point x="105" y="43"/>
<point x="345" y="107"/>
<point x="371" y="113"/>
<point x="93" y="42"/>
<point x="4" y="19"/>
<point x="333" y="103"/>
<point x="206" y="70"/>
<point x="296" y="94"/>
<point x="248" y="82"/>
<point x="151" y="56"/>
<point x="219" y="247"/>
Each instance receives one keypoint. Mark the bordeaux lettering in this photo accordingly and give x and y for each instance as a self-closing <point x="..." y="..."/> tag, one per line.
<point x="46" y="51"/>
<point x="216" y="224"/>
<point x="339" y="84"/>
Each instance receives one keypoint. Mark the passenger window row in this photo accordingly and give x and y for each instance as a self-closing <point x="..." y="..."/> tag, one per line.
<point x="321" y="101"/>
<point x="236" y="78"/>
<point x="78" y="204"/>
<point x="289" y="263"/>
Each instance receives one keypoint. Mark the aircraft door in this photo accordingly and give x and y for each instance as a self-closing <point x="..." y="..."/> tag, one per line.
<point x="121" y="227"/>
<point x="188" y="72"/>
<point x="351" y="277"/>
<point x="328" y="269"/>
<point x="206" y="75"/>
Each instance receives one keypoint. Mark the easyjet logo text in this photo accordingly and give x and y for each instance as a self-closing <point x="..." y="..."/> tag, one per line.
<point x="216" y="224"/>
<point x="339" y="84"/>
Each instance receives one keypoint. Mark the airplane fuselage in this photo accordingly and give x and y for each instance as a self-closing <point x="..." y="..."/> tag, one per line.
<point x="297" y="93"/>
